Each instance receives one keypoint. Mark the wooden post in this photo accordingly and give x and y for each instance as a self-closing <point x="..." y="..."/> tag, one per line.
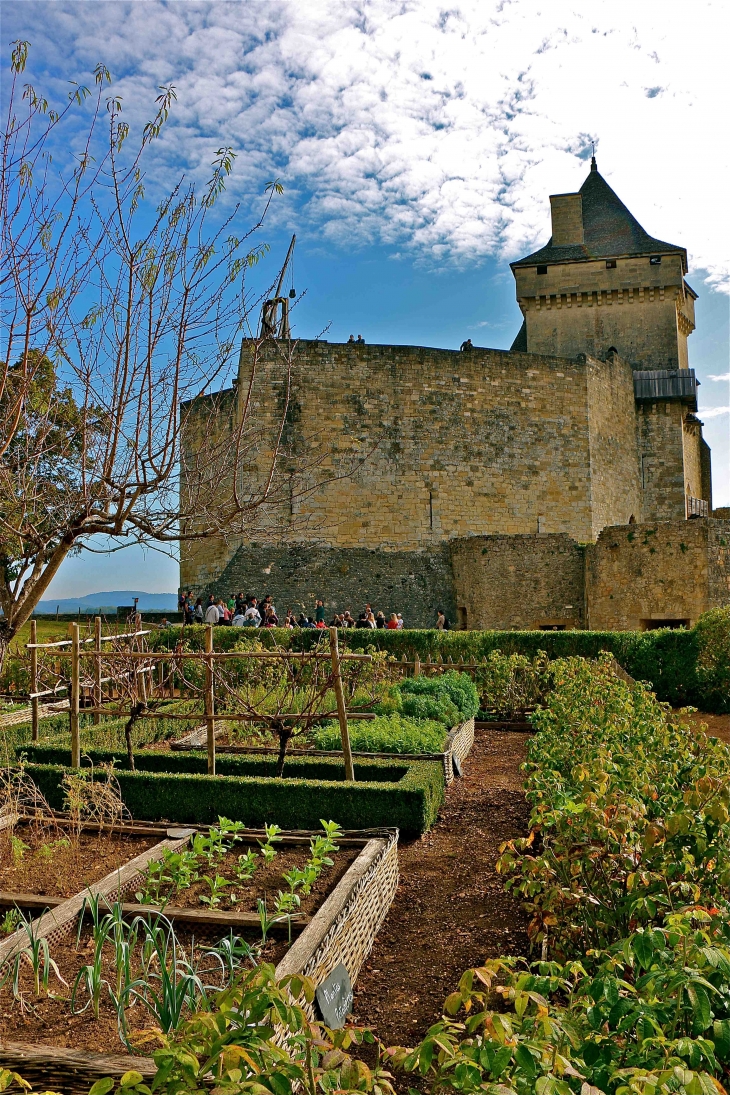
<point x="74" y="698"/>
<point x="210" y="700"/>
<point x="417" y="667"/>
<point x="34" y="680"/>
<point x="341" y="709"/>
<point x="97" y="667"/>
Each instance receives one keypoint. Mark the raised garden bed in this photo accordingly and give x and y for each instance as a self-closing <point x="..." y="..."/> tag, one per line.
<point x="350" y="911"/>
<point x="458" y="745"/>
<point x="397" y="792"/>
<point x="52" y="860"/>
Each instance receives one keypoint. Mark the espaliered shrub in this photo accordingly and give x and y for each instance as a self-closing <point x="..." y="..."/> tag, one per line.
<point x="403" y="794"/>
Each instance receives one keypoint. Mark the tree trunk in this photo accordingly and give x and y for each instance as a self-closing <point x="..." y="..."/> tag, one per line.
<point x="137" y="710"/>
<point x="285" y="734"/>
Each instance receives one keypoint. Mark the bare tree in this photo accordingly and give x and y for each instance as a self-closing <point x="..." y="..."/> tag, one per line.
<point x="116" y="313"/>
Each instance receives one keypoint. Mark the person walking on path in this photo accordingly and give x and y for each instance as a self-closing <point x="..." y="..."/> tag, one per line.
<point x="440" y="619"/>
<point x="319" y="612"/>
<point x="212" y="615"/>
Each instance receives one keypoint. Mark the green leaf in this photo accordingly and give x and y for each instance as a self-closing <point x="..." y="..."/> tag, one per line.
<point x="721" y="1037"/>
<point x="525" y="1060"/>
<point x="101" y="1087"/>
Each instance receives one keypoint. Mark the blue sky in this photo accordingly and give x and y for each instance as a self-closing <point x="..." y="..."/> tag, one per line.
<point x="418" y="144"/>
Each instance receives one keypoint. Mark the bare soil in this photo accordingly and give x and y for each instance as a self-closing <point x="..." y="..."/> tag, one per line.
<point x="56" y="863"/>
<point x="717" y="726"/>
<point x="267" y="880"/>
<point x="451" y="911"/>
<point x="48" y="1018"/>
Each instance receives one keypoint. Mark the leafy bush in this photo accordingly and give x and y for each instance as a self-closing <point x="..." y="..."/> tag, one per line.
<point x="448" y="698"/>
<point x="630" y="812"/>
<point x="713" y="658"/>
<point x="625" y="873"/>
<point x="386" y="734"/>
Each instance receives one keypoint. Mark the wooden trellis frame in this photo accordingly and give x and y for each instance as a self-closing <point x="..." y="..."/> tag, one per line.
<point x="209" y="657"/>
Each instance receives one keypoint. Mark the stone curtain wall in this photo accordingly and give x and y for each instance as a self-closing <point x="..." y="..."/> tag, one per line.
<point x="421" y="446"/>
<point x="674" y="570"/>
<point x="415" y="583"/>
<point x="615" y="480"/>
<point x="718" y="544"/>
<point x="661" y="449"/>
<point x="519" y="582"/>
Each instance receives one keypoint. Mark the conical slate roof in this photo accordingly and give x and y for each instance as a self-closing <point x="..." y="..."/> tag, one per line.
<point x="609" y="230"/>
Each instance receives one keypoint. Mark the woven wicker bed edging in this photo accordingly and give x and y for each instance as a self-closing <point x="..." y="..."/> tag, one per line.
<point x="342" y="930"/>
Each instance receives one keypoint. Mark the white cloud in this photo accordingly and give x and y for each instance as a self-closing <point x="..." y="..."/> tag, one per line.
<point x="722" y="376"/>
<point x="713" y="412"/>
<point x="439" y="131"/>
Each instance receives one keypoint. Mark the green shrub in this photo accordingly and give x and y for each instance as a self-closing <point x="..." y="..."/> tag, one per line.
<point x="405" y="795"/>
<point x="713" y="658"/>
<point x="448" y="698"/>
<point x="632" y="807"/>
<point x="386" y="734"/>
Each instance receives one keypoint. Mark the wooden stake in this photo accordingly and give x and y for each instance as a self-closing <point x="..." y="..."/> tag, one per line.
<point x="341" y="709"/>
<point x="97" y="668"/>
<point x="34" y="680"/>
<point x="417" y="667"/>
<point x="210" y="700"/>
<point x="74" y="698"/>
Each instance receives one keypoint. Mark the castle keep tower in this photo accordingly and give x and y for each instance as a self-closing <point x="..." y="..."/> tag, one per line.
<point x="602" y="286"/>
<point x="549" y="485"/>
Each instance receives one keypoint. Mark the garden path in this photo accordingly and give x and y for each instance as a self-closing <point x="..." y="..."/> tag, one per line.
<point x="451" y="911"/>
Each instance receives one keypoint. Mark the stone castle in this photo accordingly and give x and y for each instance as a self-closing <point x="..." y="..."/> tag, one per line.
<point x="563" y="483"/>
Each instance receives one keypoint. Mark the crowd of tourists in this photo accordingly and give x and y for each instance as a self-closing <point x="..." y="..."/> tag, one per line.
<point x="248" y="611"/>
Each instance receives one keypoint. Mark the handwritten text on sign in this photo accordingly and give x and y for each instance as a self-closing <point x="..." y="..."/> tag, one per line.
<point x="334" y="998"/>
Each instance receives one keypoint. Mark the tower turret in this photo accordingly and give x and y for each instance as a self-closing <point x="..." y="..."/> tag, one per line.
<point x="602" y="283"/>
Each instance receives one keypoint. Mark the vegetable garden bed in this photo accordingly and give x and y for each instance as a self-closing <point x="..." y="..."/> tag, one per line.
<point x="51" y="860"/>
<point x="351" y="906"/>
<point x="458" y="745"/>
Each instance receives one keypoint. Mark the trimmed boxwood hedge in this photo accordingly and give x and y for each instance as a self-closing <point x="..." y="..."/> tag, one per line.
<point x="174" y="787"/>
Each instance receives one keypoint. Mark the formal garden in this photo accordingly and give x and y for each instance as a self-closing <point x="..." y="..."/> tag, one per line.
<point x="200" y="860"/>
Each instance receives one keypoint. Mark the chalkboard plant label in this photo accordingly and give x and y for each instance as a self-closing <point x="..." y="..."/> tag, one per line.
<point x="334" y="998"/>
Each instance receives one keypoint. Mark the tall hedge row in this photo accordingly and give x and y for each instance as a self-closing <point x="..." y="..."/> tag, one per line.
<point x="683" y="666"/>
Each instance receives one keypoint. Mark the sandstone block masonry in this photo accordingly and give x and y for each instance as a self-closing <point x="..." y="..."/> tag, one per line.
<point x="519" y="582"/>
<point x="480" y="481"/>
<point x="644" y="576"/>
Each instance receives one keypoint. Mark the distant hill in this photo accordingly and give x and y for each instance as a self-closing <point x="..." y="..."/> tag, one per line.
<point x="148" y="602"/>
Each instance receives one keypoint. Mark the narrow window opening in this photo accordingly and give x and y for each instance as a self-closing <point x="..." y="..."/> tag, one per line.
<point x="655" y="260"/>
<point x="610" y="264"/>
<point x="542" y="269"/>
<point x="430" y="510"/>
